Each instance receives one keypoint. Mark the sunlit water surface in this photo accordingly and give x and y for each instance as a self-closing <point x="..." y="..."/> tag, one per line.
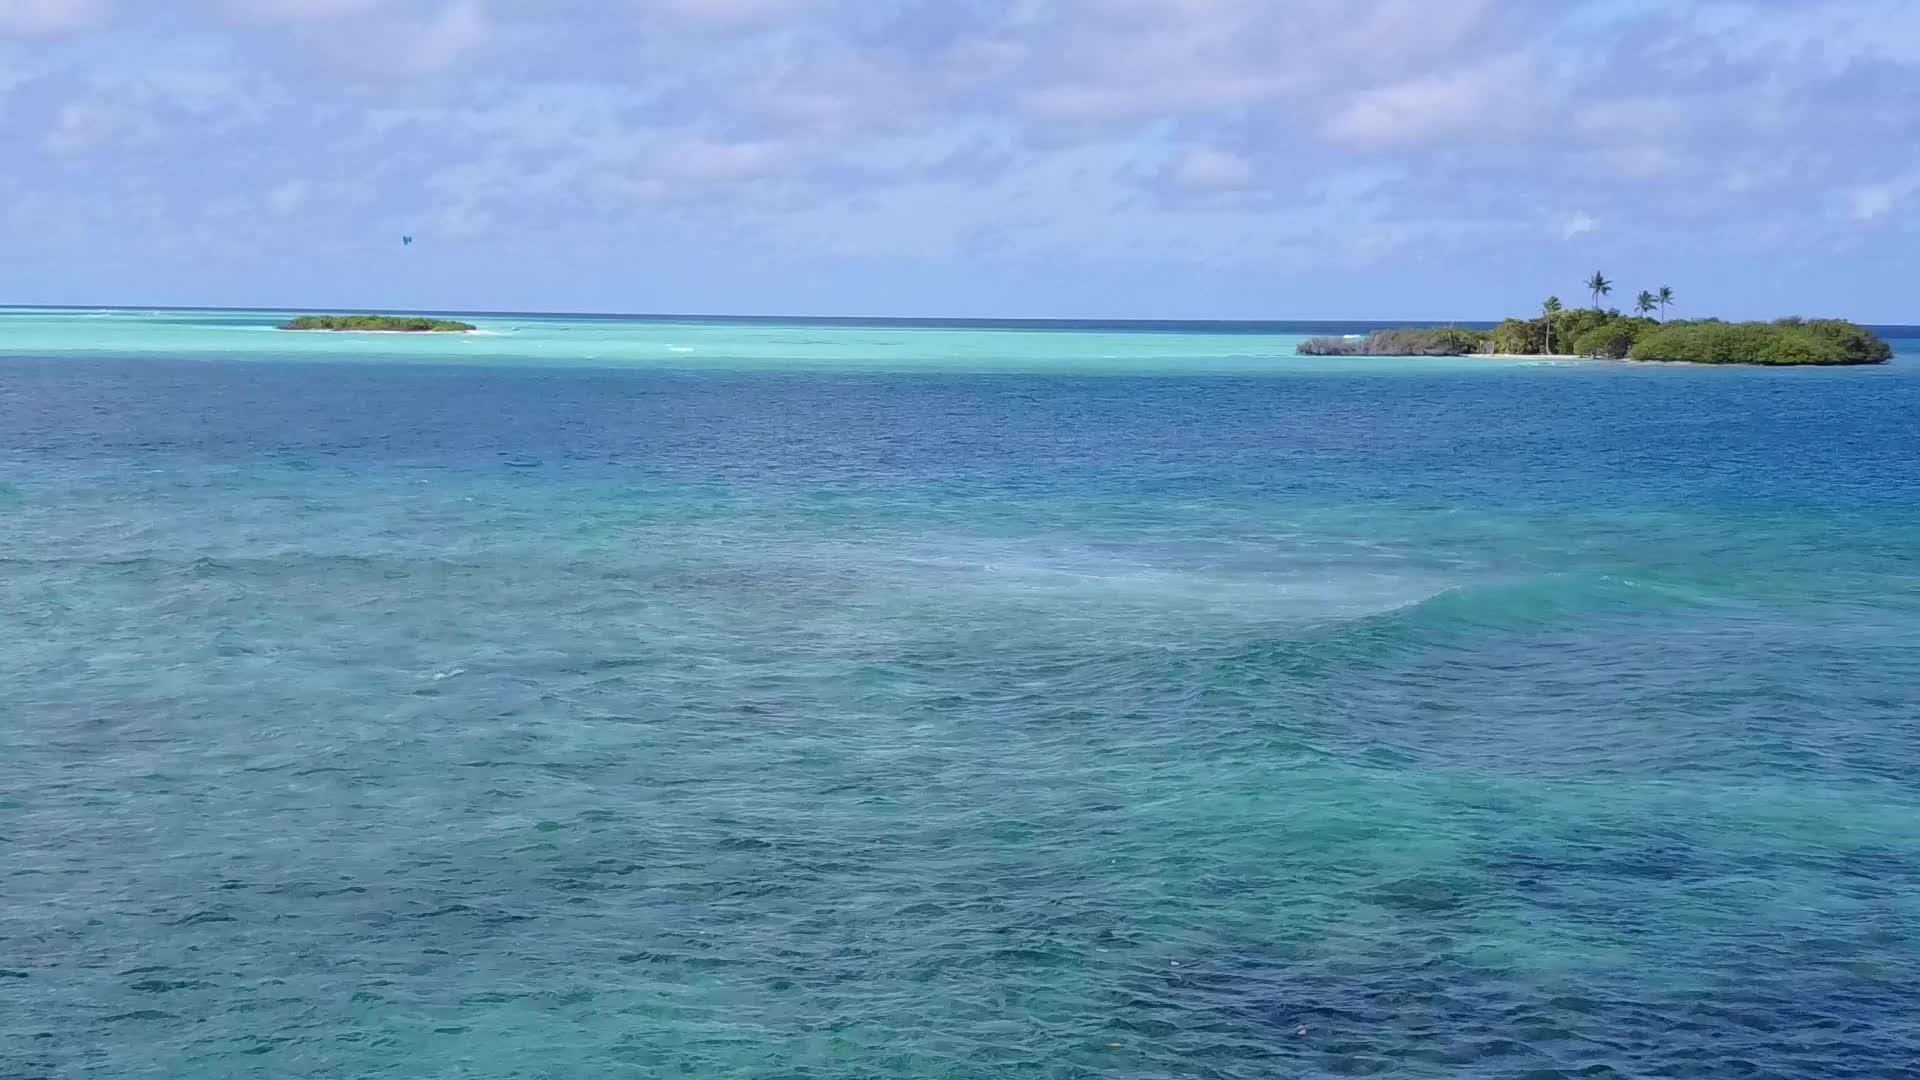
<point x="602" y="698"/>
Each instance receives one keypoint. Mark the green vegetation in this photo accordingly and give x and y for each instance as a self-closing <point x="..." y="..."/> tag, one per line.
<point x="1787" y="341"/>
<point x="1431" y="341"/>
<point x="408" y="324"/>
<point x="1570" y="330"/>
<point x="1600" y="287"/>
<point x="1609" y="335"/>
<point x="1609" y="338"/>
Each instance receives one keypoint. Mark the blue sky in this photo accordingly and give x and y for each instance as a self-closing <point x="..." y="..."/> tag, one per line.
<point x="1140" y="158"/>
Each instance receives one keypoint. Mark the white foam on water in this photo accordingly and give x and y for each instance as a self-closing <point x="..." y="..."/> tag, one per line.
<point x="1308" y="586"/>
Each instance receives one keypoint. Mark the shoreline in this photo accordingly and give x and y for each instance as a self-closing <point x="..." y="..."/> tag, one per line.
<point x="401" y="333"/>
<point x="1608" y="335"/>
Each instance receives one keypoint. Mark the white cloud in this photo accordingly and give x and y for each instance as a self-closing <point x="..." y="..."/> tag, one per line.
<point x="727" y="13"/>
<point x="463" y="221"/>
<point x="710" y="161"/>
<point x="30" y="17"/>
<point x="696" y="170"/>
<point x="1635" y="160"/>
<point x="441" y="42"/>
<point x="288" y="197"/>
<point x="1872" y="202"/>
<point x="1473" y="102"/>
<point x="1123" y="61"/>
<point x="1832" y="33"/>
<point x="1473" y="112"/>
<point x="361" y="41"/>
<point x="297" y="11"/>
<point x="89" y="126"/>
<point x="1579" y="223"/>
<point x="1211" y="169"/>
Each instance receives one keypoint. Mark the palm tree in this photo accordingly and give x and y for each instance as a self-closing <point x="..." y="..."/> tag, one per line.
<point x="1600" y="287"/>
<point x="1551" y="308"/>
<point x="1663" y="298"/>
<point x="1646" y="303"/>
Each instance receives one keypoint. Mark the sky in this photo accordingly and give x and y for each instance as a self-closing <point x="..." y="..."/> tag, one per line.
<point x="1262" y="159"/>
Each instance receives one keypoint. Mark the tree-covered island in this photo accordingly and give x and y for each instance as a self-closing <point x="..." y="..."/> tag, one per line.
<point x="391" y="324"/>
<point x="1594" y="333"/>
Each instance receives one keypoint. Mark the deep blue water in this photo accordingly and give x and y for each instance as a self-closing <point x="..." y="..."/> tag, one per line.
<point x="366" y="720"/>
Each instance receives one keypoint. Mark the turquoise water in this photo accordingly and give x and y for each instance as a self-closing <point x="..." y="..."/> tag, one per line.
<point x="893" y="701"/>
<point x="601" y="342"/>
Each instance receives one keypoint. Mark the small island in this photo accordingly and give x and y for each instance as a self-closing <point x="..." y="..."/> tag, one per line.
<point x="380" y="324"/>
<point x="1597" y="334"/>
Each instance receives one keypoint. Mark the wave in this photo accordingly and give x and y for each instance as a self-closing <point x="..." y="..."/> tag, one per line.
<point x="1531" y="604"/>
<point x="157" y="566"/>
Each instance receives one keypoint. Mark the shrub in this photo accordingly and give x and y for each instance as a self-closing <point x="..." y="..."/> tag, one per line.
<point x="1524" y="337"/>
<point x="1611" y="335"/>
<point x="1788" y="341"/>
<point x="1332" y="346"/>
<point x="1571" y="326"/>
<point x="1611" y="339"/>
<point x="1601" y="330"/>
<point x="412" y="324"/>
<point x="1418" y="341"/>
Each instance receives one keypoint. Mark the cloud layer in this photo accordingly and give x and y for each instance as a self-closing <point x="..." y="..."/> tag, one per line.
<point x="1453" y="147"/>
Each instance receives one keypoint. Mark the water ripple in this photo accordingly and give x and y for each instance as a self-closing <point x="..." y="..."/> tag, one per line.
<point x="862" y="727"/>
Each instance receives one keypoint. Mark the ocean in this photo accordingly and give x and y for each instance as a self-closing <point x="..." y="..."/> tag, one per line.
<point x="600" y="697"/>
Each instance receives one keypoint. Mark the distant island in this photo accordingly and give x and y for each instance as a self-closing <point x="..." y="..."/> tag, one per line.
<point x="386" y="324"/>
<point x="1596" y="334"/>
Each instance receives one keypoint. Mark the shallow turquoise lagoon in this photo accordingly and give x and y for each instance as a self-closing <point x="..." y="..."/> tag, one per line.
<point x="599" y="697"/>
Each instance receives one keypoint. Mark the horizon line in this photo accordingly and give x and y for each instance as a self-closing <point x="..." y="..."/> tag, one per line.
<point x="980" y="320"/>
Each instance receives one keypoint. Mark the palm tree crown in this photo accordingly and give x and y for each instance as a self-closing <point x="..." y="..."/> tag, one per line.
<point x="1599" y="286"/>
<point x="1646" y="303"/>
